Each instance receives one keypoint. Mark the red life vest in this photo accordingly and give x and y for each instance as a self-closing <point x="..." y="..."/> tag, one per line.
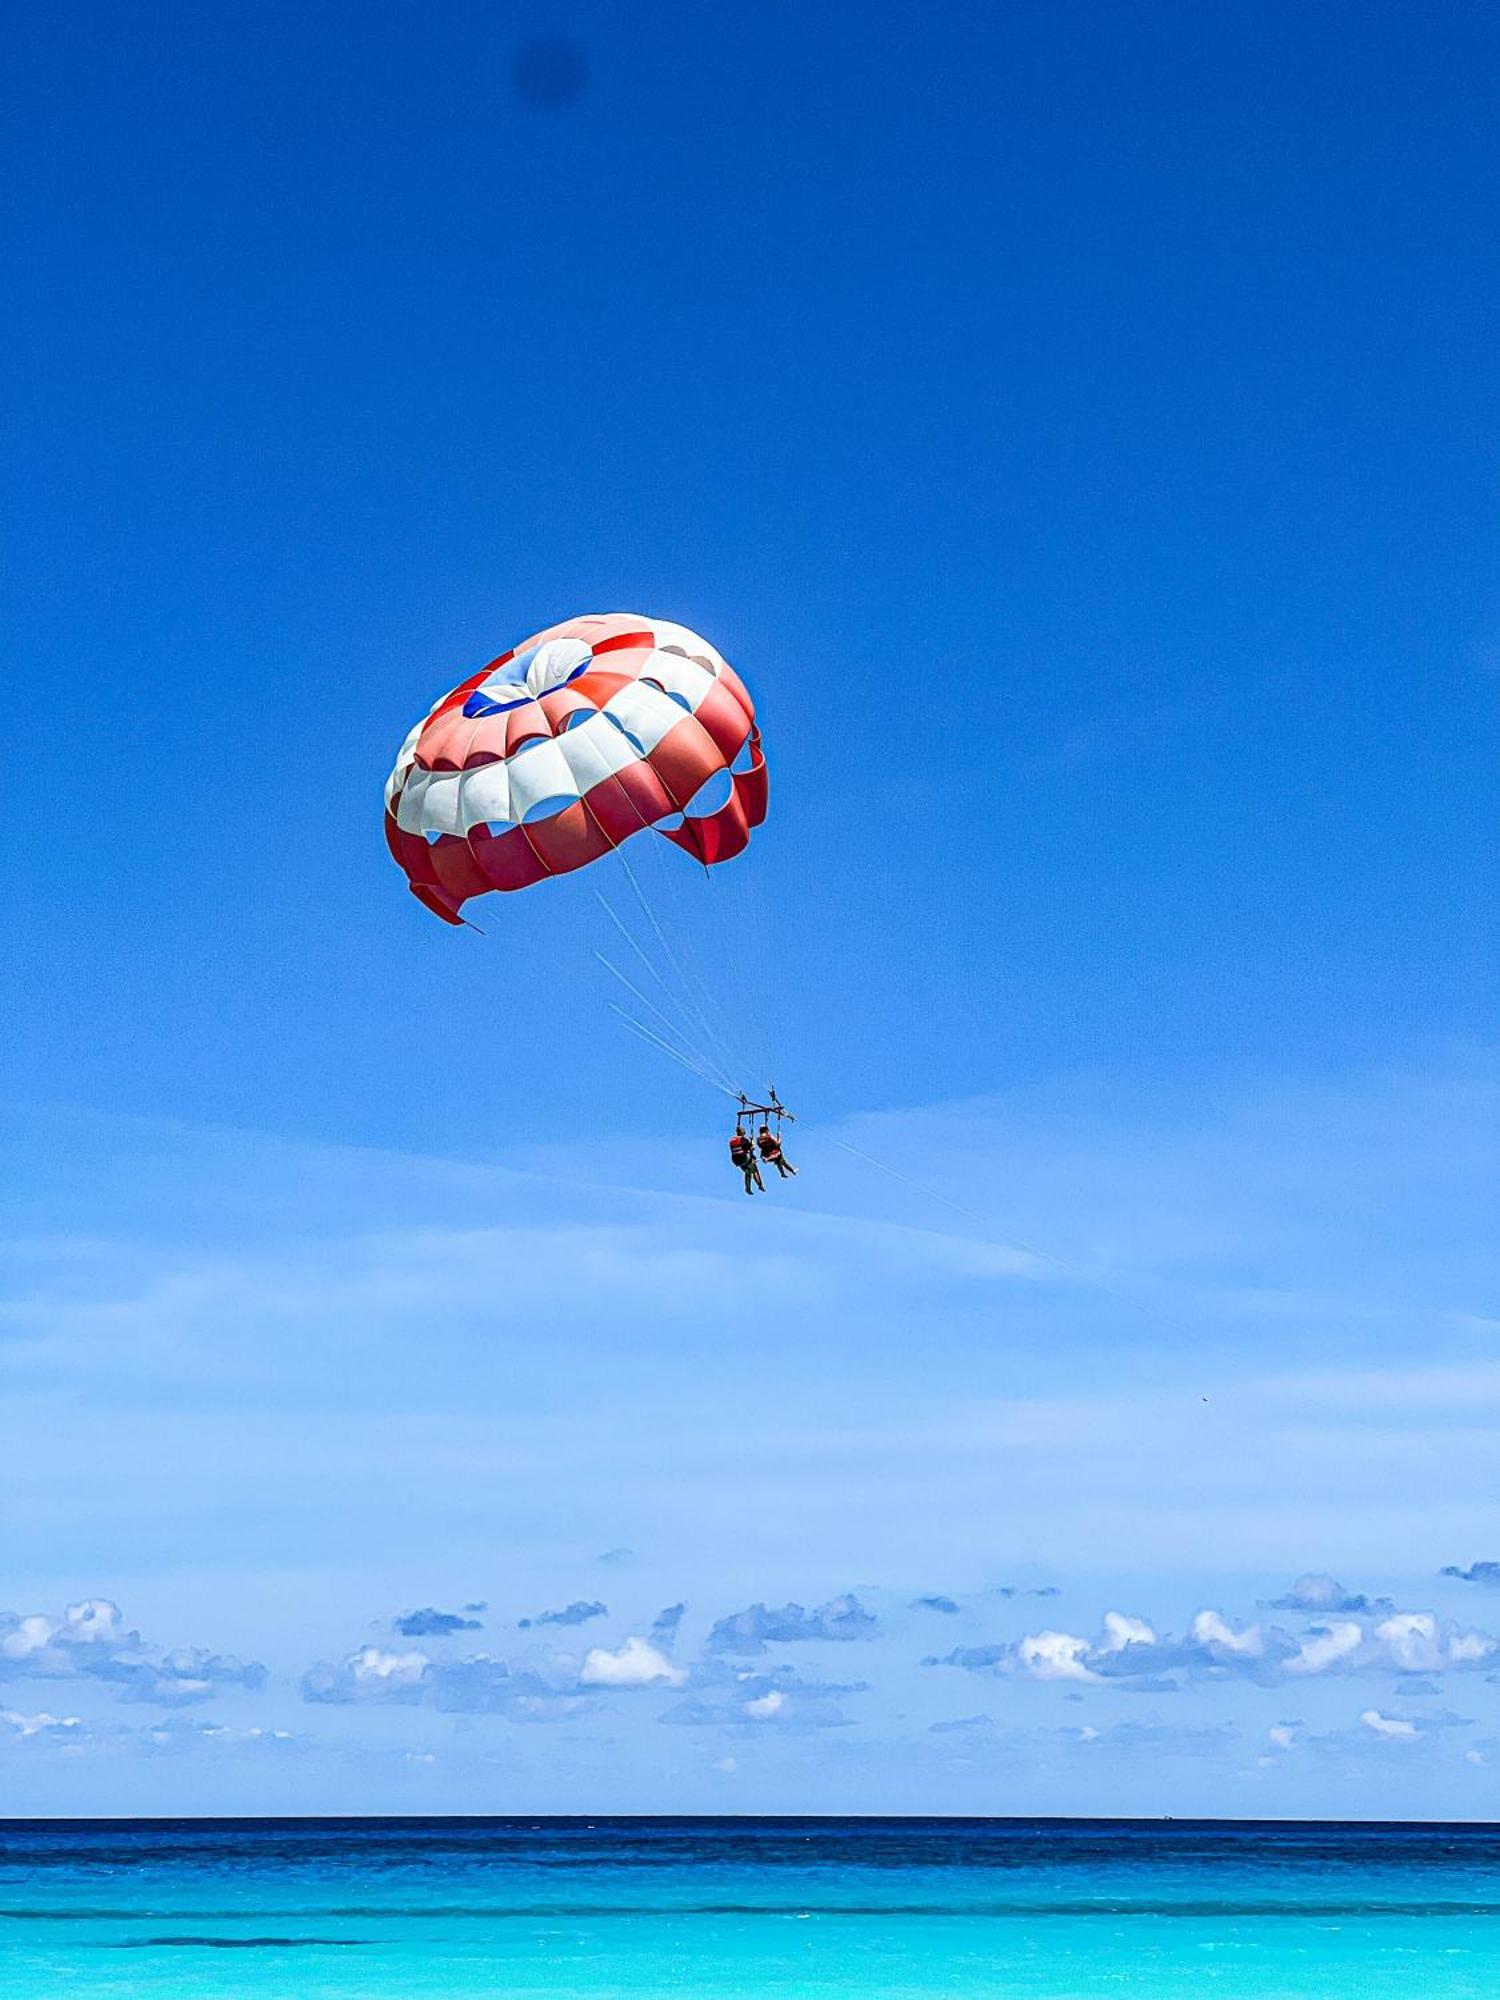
<point x="770" y="1149"/>
<point x="740" y="1149"/>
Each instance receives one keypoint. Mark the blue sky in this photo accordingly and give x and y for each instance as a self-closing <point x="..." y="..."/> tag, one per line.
<point x="1078" y="427"/>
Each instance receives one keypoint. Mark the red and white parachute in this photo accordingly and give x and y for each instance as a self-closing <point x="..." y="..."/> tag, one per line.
<point x="562" y="749"/>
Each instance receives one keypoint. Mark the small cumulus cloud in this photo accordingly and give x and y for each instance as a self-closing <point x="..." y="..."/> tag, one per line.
<point x="1374" y="1727"/>
<point x="90" y="1641"/>
<point x="1213" y="1633"/>
<point x="725" y="1696"/>
<point x="948" y="1605"/>
<point x="579" y="1612"/>
<point x="760" y="1625"/>
<point x="69" y="1734"/>
<point x="1326" y="1646"/>
<point x="368" y="1674"/>
<point x="1129" y="1653"/>
<point x="1319" y="1593"/>
<point x="664" y="1625"/>
<point x="1055" y="1656"/>
<point x="1485" y="1573"/>
<point x="1121" y="1631"/>
<point x="975" y="1659"/>
<point x="183" y="1734"/>
<point x="1391" y="1728"/>
<point x="1415" y="1645"/>
<point x="42" y="1727"/>
<point x="1151" y="1738"/>
<point x="430" y="1624"/>
<point x="758" y="1702"/>
<point x="636" y="1663"/>
<point x="479" y="1684"/>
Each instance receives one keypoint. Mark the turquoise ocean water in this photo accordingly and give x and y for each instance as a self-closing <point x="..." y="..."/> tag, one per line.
<point x="306" y="1908"/>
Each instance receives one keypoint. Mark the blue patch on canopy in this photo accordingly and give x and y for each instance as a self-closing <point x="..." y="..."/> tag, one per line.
<point x="504" y="688"/>
<point x="549" y="808"/>
<point x="629" y="734"/>
<point x="480" y="703"/>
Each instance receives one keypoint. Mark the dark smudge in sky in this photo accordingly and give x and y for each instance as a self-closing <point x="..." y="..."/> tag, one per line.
<point x="549" y="73"/>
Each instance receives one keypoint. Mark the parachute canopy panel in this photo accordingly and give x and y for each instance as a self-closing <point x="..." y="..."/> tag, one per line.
<point x="568" y="745"/>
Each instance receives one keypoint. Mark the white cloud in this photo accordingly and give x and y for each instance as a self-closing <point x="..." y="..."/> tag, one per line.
<point x="1211" y="1630"/>
<point x="635" y="1664"/>
<point x="1326" y="1647"/>
<point x="90" y="1640"/>
<point x="766" y="1705"/>
<point x="1390" y="1727"/>
<point x="1120" y="1631"/>
<point x="29" y="1635"/>
<point x="387" y="1669"/>
<point x="1467" y="1649"/>
<point x="40" y="1724"/>
<point x="95" y="1621"/>
<point x="1411" y="1639"/>
<point x="1054" y="1656"/>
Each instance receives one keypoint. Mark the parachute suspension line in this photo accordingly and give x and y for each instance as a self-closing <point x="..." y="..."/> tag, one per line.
<point x="647" y="1035"/>
<point x="629" y="936"/>
<point x="697" y="1065"/>
<point x="1010" y="1242"/>
<point x="682" y="1026"/>
<point x="1013" y="1242"/>
<point x="747" y="1042"/>
<point x="655" y="1041"/>
<point x="705" y="1060"/>
<point x="691" y="1009"/>
<point x="705" y="1008"/>
<point x="714" y="1037"/>
<point x="736" y="892"/>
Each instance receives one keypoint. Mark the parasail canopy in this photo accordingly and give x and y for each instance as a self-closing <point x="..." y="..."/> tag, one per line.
<point x="570" y="744"/>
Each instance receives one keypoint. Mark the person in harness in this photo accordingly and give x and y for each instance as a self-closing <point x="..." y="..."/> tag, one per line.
<point x="743" y="1155"/>
<point x="771" y="1153"/>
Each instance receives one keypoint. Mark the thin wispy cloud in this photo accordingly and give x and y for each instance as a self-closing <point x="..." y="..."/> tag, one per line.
<point x="761" y="1625"/>
<point x="579" y="1612"/>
